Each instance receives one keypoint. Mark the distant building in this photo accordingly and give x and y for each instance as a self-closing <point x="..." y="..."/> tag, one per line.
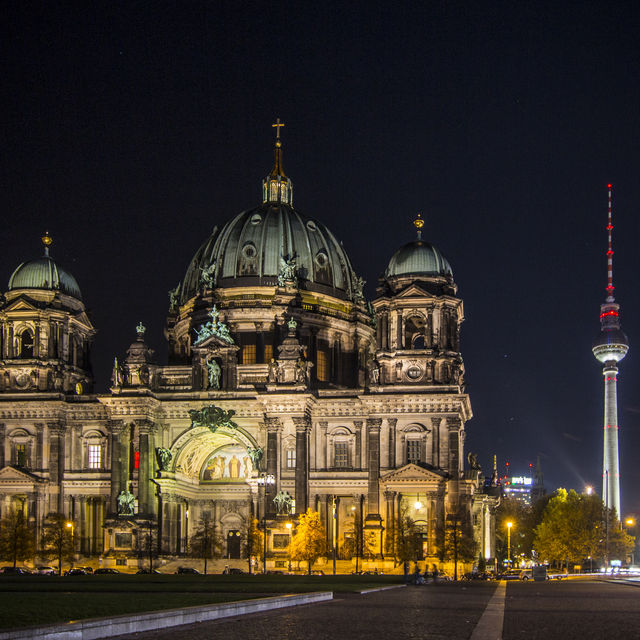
<point x="525" y="488"/>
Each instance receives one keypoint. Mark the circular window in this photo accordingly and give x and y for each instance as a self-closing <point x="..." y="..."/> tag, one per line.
<point x="311" y="225"/>
<point x="322" y="260"/>
<point x="23" y="380"/>
<point x="256" y="218"/>
<point x="413" y="373"/>
<point x="249" y="250"/>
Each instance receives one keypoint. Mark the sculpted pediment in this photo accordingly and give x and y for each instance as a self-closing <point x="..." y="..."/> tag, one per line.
<point x="411" y="473"/>
<point x="21" y="304"/>
<point x="11" y="475"/>
<point x="413" y="291"/>
<point x="214" y="343"/>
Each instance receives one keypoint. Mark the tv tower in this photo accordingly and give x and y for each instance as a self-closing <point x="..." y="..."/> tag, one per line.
<point x="610" y="347"/>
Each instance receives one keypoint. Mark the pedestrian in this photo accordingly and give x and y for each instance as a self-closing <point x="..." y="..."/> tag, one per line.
<point x="435" y="574"/>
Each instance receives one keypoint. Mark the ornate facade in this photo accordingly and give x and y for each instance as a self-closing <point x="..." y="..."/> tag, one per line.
<point x="284" y="389"/>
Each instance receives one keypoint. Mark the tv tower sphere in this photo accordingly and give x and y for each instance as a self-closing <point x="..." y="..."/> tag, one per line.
<point x="610" y="347"/>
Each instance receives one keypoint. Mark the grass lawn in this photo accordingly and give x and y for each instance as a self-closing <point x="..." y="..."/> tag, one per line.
<point x="36" y="600"/>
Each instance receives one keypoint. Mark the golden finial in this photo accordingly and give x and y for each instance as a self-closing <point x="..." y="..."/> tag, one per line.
<point x="418" y="223"/>
<point x="277" y="125"/>
<point x="47" y="241"/>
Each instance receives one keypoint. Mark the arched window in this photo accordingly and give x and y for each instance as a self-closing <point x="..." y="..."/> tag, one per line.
<point x="26" y="344"/>
<point x="414" y="329"/>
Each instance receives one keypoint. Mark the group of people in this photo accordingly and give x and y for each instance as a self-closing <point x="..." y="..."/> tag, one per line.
<point x="420" y="578"/>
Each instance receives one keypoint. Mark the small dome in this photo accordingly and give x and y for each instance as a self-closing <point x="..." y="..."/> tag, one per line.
<point x="418" y="258"/>
<point x="249" y="250"/>
<point x="44" y="273"/>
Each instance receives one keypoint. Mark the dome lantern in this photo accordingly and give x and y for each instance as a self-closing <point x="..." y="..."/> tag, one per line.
<point x="276" y="187"/>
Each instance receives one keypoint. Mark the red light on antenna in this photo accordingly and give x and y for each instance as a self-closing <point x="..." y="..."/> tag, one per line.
<point x="609" y="186"/>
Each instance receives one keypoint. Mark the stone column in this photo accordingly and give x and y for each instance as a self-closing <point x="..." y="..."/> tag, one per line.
<point x="76" y="447"/>
<point x="56" y="460"/>
<point x="399" y="331"/>
<point x="357" y="424"/>
<point x="373" y="466"/>
<point x="274" y="427"/>
<point x="119" y="460"/>
<point x="392" y="422"/>
<point x="3" y="431"/>
<point x="435" y="442"/>
<point x="260" y="328"/>
<point x="390" y="522"/>
<point x="303" y="428"/>
<point x="324" y="425"/>
<point x="39" y="454"/>
<point x="146" y="493"/>
<point x="454" y="446"/>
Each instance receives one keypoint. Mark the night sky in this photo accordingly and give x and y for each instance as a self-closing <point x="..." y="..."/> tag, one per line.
<point x="130" y="129"/>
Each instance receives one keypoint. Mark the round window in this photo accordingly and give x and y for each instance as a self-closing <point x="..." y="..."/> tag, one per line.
<point x="322" y="260"/>
<point x="256" y="218"/>
<point x="249" y="250"/>
<point x="414" y="373"/>
<point x="311" y="225"/>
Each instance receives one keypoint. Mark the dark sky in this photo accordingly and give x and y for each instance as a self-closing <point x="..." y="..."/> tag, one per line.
<point x="130" y="129"/>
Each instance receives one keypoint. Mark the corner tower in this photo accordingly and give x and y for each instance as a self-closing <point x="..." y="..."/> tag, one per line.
<point x="610" y="347"/>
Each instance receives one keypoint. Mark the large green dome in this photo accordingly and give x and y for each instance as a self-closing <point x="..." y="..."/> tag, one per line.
<point x="249" y="249"/>
<point x="418" y="258"/>
<point x="44" y="273"/>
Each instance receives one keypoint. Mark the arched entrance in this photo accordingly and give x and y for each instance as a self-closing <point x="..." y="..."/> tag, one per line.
<point x="234" y="547"/>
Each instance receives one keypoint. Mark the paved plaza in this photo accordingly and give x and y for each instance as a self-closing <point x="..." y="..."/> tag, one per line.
<point x="564" y="610"/>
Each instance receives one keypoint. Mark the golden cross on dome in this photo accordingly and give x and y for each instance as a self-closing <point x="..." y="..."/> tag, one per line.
<point x="277" y="125"/>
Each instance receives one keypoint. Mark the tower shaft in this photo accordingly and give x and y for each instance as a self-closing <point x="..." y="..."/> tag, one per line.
<point x="610" y="468"/>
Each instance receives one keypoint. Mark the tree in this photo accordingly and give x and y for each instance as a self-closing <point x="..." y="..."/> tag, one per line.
<point x="577" y="526"/>
<point x="523" y="518"/>
<point x="205" y="542"/>
<point x="17" y="537"/>
<point x="459" y="545"/>
<point x="356" y="543"/>
<point x="408" y="543"/>
<point x="148" y="542"/>
<point x="255" y="542"/>
<point x="57" y="539"/>
<point x="309" y="541"/>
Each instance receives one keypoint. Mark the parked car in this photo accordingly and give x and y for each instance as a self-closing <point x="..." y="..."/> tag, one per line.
<point x="15" y="571"/>
<point x="188" y="570"/>
<point x="141" y="571"/>
<point x="46" y="571"/>
<point x="104" y="571"/>
<point x="509" y="575"/>
<point x="76" y="571"/>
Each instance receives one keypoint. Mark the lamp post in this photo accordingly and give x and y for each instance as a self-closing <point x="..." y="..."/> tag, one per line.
<point x="509" y="525"/>
<point x="630" y="522"/>
<point x="289" y="525"/>
<point x="334" y="533"/>
<point x="264" y="480"/>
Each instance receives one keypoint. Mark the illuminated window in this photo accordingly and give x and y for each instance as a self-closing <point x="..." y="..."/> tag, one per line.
<point x="274" y="190"/>
<point x="413" y="450"/>
<point x="323" y="366"/>
<point x="95" y="456"/>
<point x="268" y="352"/>
<point x="341" y="454"/>
<point x="21" y="455"/>
<point x="291" y="458"/>
<point x="283" y="192"/>
<point x="248" y="354"/>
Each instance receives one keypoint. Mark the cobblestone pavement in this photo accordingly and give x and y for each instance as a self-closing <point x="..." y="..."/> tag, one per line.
<point x="572" y="610"/>
<point x="434" y="612"/>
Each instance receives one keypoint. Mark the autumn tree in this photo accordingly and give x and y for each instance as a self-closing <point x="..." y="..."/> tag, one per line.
<point x="309" y="541"/>
<point x="57" y="539"/>
<point x="577" y="526"/>
<point x="356" y="543"/>
<point x="205" y="542"/>
<point x="255" y="542"/>
<point x="17" y="537"/>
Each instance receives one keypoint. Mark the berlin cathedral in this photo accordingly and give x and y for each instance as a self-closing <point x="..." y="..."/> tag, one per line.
<point x="285" y="389"/>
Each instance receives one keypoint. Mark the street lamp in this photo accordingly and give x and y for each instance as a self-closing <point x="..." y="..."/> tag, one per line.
<point x="264" y="480"/>
<point x="509" y="525"/>
<point x="289" y="525"/>
<point x="588" y="489"/>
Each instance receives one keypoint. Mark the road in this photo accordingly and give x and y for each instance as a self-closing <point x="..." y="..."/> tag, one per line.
<point x="567" y="610"/>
